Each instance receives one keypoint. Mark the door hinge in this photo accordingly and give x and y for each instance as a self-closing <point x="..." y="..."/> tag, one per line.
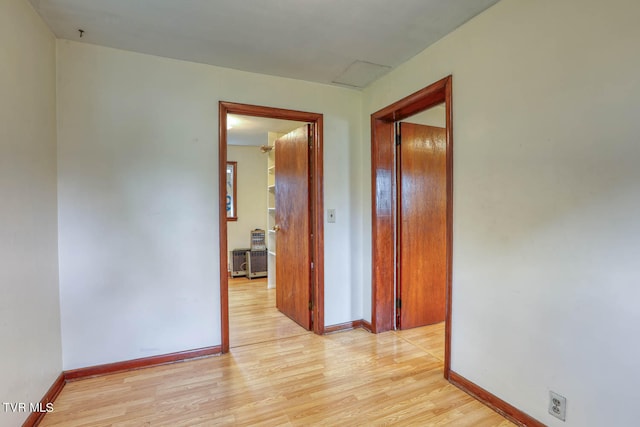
<point x="398" y="140"/>
<point x="398" y="303"/>
<point x="312" y="265"/>
<point x="310" y="305"/>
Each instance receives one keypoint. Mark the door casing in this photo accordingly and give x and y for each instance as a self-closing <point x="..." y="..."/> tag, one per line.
<point x="316" y="206"/>
<point x="384" y="201"/>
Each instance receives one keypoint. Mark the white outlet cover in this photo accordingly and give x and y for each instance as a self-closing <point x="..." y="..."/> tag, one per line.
<point x="557" y="405"/>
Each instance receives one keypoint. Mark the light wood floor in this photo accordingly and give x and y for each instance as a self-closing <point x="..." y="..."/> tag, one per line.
<point x="347" y="378"/>
<point x="253" y="316"/>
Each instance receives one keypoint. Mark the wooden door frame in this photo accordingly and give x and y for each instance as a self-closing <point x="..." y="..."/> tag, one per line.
<point x="316" y="206"/>
<point x="384" y="200"/>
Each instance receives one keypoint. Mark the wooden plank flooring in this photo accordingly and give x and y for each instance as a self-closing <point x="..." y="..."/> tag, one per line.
<point x="253" y="316"/>
<point x="351" y="378"/>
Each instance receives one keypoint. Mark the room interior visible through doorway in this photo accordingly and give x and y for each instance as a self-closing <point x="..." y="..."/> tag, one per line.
<point x="316" y="230"/>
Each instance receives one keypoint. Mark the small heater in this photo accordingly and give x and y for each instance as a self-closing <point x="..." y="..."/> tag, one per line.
<point x="257" y="240"/>
<point x="256" y="264"/>
<point x="239" y="262"/>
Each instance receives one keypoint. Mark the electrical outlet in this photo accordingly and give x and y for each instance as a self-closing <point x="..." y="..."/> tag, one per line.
<point x="331" y="215"/>
<point x="557" y="405"/>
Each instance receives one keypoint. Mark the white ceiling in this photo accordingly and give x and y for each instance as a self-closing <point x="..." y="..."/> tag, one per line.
<point x="248" y="130"/>
<point x="326" y="41"/>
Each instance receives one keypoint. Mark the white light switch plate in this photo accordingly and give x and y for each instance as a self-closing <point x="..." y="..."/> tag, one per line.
<point x="331" y="215"/>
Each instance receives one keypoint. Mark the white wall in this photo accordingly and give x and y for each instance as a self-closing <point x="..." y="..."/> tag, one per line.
<point x="546" y="201"/>
<point x="30" y="359"/>
<point x="434" y="116"/>
<point x="138" y="198"/>
<point x="252" y="194"/>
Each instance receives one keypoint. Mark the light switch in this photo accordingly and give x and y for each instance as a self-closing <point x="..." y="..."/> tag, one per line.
<point x="331" y="215"/>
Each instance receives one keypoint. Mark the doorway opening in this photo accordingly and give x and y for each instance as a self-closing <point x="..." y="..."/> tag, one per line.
<point x="254" y="315"/>
<point x="314" y="268"/>
<point x="421" y="219"/>
<point x="386" y="194"/>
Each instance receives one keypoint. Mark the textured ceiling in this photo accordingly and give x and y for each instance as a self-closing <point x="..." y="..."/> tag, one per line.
<point x="314" y="40"/>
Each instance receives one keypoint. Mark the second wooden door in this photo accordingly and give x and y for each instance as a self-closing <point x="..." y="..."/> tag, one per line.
<point x="293" y="248"/>
<point x="422" y="216"/>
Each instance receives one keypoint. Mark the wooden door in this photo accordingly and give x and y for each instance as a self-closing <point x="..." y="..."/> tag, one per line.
<point x="422" y="225"/>
<point x="293" y="249"/>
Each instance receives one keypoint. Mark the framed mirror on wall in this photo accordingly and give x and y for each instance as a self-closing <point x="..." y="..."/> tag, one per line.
<point x="232" y="212"/>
